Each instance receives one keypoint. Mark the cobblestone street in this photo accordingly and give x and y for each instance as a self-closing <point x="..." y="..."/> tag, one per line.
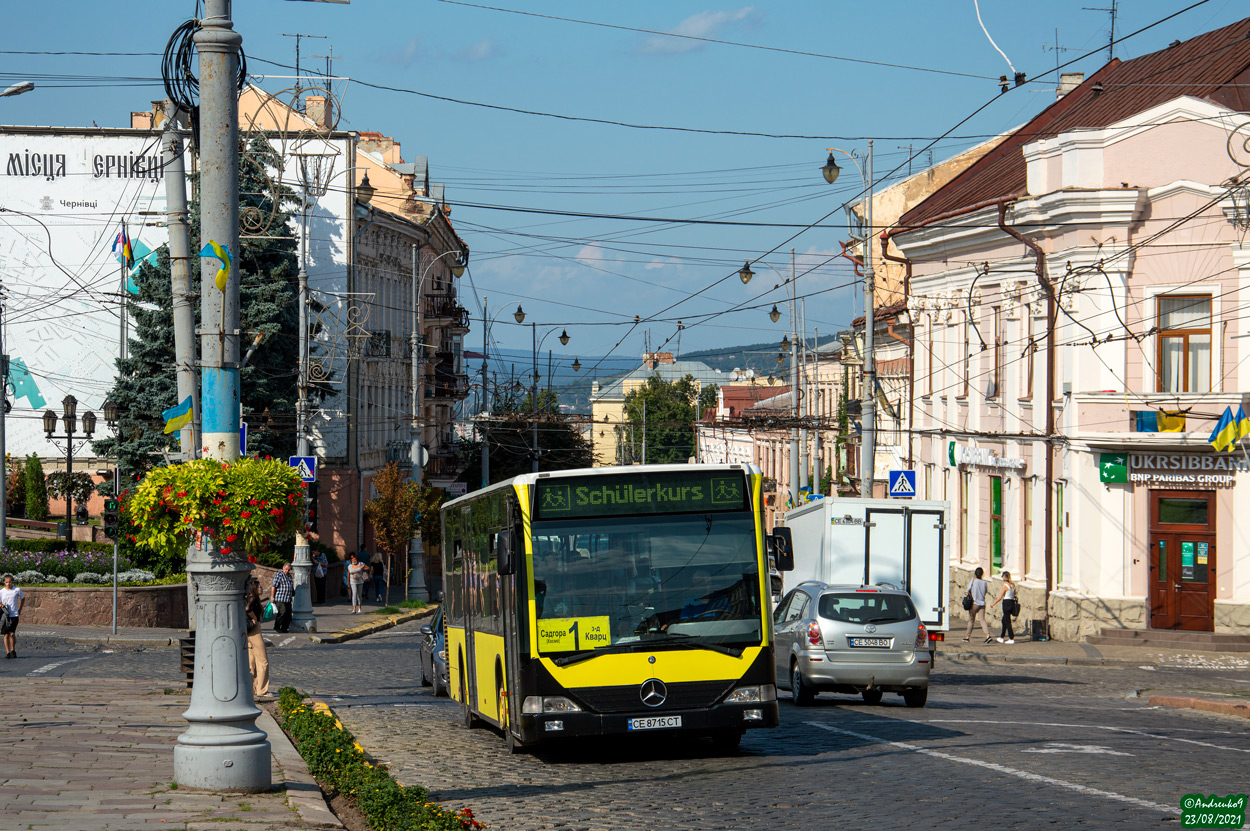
<point x="1031" y="746"/>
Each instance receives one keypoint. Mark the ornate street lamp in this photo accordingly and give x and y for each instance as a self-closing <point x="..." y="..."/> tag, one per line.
<point x="745" y="273"/>
<point x="564" y="337"/>
<point x="69" y="419"/>
<point x="519" y="314"/>
<point x="831" y="169"/>
<point x="774" y="314"/>
<point x="577" y="365"/>
<point x="365" y="191"/>
<point x="785" y="342"/>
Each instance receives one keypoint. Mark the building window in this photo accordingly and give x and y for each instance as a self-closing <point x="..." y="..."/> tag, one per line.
<point x="1184" y="344"/>
<point x="1028" y="527"/>
<point x="966" y="361"/>
<point x="996" y="374"/>
<point x="996" y="524"/>
<point x="964" y="486"/>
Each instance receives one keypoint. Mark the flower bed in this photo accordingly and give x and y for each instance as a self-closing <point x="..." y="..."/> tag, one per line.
<point x="340" y="765"/>
<point x="62" y="563"/>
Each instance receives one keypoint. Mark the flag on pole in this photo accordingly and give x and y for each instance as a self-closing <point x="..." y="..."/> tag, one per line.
<point x="178" y="416"/>
<point x="1170" y="422"/>
<point x="1225" y="433"/>
<point x="1243" y="423"/>
<point x="222" y="253"/>
<point x="122" y="250"/>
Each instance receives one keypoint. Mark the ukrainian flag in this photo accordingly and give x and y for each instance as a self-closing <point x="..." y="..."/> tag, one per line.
<point x="1243" y="423"/>
<point x="1224" y="435"/>
<point x="177" y="417"/>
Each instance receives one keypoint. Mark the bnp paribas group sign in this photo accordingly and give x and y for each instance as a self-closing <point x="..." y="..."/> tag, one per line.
<point x="1177" y="470"/>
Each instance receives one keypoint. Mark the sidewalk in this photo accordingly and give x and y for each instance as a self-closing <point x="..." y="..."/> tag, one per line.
<point x="98" y="755"/>
<point x="1025" y="651"/>
<point x="335" y="624"/>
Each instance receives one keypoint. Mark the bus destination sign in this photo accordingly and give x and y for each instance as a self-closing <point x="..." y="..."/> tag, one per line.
<point x="676" y="492"/>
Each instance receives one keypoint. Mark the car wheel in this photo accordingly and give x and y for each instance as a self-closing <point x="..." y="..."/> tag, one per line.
<point x="800" y="692"/>
<point x="440" y="689"/>
<point x="872" y="696"/>
<point x="917" y="697"/>
<point x="726" y="741"/>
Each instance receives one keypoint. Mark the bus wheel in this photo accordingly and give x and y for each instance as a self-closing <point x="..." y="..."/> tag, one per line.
<point x="726" y="741"/>
<point x="514" y="745"/>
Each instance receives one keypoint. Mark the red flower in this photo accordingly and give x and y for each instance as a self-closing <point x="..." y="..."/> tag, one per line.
<point x="186" y="519"/>
<point x="225" y="522"/>
<point x="251" y="558"/>
<point x="182" y="493"/>
<point x="276" y="512"/>
<point x="226" y="550"/>
<point x="252" y="502"/>
<point x="245" y="514"/>
<point x="231" y="537"/>
<point x="221" y="493"/>
<point x="216" y="501"/>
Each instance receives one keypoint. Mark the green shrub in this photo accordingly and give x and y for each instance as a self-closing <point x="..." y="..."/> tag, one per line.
<point x="334" y="757"/>
<point x="36" y="490"/>
<point x="50" y="545"/>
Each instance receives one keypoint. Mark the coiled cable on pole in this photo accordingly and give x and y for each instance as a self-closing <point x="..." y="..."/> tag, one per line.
<point x="182" y="87"/>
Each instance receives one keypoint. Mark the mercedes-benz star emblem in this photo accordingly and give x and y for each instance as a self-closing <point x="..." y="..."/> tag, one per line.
<point x="653" y="692"/>
<point x="870" y="628"/>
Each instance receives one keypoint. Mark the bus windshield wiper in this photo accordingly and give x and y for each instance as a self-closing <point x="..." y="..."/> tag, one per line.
<point x="691" y="641"/>
<point x="578" y="657"/>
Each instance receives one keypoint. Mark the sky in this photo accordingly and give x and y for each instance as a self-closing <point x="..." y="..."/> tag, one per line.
<point x="589" y="224"/>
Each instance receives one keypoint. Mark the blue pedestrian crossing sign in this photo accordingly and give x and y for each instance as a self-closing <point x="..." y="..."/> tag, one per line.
<point x="903" y="484"/>
<point x="305" y="466"/>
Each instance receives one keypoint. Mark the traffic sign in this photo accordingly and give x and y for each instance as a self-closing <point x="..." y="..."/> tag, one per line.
<point x="305" y="466"/>
<point x="242" y="438"/>
<point x="903" y="484"/>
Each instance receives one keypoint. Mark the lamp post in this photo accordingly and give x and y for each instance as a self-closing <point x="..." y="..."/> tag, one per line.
<point x="868" y="447"/>
<point x="416" y="573"/>
<point x="538" y="342"/>
<point x="519" y="317"/>
<point x="789" y="344"/>
<point x="69" y="420"/>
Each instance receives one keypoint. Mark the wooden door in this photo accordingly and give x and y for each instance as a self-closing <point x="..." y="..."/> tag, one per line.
<point x="1182" y="560"/>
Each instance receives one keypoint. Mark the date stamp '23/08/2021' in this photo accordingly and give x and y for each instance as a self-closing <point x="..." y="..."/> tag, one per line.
<point x="1198" y="811"/>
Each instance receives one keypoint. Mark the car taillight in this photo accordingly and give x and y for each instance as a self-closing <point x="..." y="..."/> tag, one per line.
<point x="922" y="637"/>
<point x="813" y="634"/>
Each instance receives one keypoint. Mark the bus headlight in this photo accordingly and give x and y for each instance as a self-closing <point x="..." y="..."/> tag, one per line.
<point x="752" y="695"/>
<point x="537" y="704"/>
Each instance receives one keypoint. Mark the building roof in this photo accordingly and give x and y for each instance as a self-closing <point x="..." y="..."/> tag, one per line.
<point x="1213" y="66"/>
<point x="738" y="398"/>
<point x="675" y="371"/>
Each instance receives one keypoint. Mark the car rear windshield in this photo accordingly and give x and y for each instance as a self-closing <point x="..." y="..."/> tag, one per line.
<point x="866" y="607"/>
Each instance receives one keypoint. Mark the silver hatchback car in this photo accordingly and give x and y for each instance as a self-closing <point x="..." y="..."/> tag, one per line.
<point x="851" y="639"/>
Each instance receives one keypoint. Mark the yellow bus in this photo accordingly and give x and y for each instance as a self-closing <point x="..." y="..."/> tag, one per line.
<point x="609" y="601"/>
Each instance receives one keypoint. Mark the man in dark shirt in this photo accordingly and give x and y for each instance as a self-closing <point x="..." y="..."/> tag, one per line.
<point x="283" y="594"/>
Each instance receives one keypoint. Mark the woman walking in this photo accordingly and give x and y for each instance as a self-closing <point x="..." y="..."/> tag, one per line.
<point x="976" y="590"/>
<point x="357" y="573"/>
<point x="12" y="600"/>
<point x="257" y="657"/>
<point x="1008" y="598"/>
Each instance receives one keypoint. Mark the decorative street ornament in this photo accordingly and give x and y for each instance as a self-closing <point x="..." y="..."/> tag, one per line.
<point x="222" y="253"/>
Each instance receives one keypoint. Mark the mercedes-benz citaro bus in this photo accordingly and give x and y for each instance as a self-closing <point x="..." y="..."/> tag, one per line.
<point x="611" y="601"/>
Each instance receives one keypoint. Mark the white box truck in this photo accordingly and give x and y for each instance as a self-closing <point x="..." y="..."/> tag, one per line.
<point x="866" y="541"/>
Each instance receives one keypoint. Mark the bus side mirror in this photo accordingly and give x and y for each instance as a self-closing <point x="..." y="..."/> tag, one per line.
<point x="503" y="554"/>
<point x="783" y="547"/>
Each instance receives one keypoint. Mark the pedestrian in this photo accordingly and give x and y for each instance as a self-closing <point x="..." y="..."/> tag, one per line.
<point x="282" y="593"/>
<point x="357" y="572"/>
<point x="257" y="657"/>
<point x="377" y="567"/>
<point x="1010" y="608"/>
<point x="11" y="601"/>
<point x="976" y="590"/>
<point x="321" y="564"/>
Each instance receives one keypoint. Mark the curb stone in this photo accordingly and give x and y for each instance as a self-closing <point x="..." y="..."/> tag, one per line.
<point x="303" y="793"/>
<point x="1038" y="659"/>
<point x="1226" y="708"/>
<point x="123" y="640"/>
<point x="380" y="625"/>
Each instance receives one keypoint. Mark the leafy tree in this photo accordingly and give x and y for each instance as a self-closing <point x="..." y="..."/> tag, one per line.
<point x="36" y="489"/>
<point x="267" y="269"/>
<point x="15" y="488"/>
<point x="670" y="413"/>
<point x="708" y="399"/>
<point x="510" y="437"/>
<point x="393" y="514"/>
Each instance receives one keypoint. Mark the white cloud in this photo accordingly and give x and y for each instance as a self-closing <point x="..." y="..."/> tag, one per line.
<point x="483" y="50"/>
<point x="703" y="24"/>
<point x="660" y="262"/>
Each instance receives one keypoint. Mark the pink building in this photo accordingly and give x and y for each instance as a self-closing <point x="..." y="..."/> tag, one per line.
<point x="1084" y="275"/>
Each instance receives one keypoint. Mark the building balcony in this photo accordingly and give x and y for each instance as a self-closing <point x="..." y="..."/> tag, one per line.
<point x="444" y="310"/>
<point x="446" y="385"/>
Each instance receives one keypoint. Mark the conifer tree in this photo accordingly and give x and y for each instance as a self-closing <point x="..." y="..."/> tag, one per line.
<point x="36" y="489"/>
<point x="268" y="272"/>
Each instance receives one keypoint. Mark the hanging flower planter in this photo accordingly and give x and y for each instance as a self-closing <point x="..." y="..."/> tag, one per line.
<point x="240" y="505"/>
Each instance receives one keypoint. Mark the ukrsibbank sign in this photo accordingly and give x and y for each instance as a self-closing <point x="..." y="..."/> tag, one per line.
<point x="981" y="457"/>
<point x="1185" y="469"/>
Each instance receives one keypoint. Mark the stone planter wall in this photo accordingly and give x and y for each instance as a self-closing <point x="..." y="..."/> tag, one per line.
<point x="161" y="607"/>
<point x="1073" y="617"/>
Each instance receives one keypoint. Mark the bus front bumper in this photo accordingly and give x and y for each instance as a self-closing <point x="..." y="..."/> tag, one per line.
<point x="725" y="718"/>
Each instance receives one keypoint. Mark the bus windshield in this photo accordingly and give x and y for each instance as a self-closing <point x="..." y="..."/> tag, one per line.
<point x="685" y="579"/>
